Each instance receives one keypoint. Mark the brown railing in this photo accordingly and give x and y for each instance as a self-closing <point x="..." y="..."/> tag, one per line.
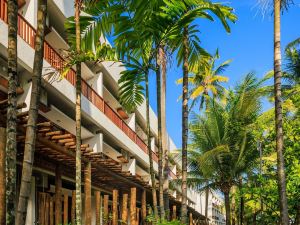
<point x="27" y="33"/>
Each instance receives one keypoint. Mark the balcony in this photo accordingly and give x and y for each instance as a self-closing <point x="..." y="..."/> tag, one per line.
<point x="27" y="33"/>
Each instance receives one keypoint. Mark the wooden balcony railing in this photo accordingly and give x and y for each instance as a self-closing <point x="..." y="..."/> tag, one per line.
<point x="27" y="33"/>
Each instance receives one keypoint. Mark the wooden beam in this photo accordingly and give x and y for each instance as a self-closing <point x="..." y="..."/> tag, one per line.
<point x="115" y="208"/>
<point x="73" y="208"/>
<point x="174" y="213"/>
<point x="66" y="205"/>
<point x="2" y="175"/>
<point x="105" y="210"/>
<point x="58" y="184"/>
<point x="133" y="206"/>
<point x="47" y="208"/>
<point x="62" y="136"/>
<point x="87" y="194"/>
<point x="144" y="207"/>
<point x="97" y="206"/>
<point x="124" y="209"/>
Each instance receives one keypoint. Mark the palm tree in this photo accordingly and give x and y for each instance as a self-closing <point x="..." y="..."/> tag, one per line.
<point x="182" y="38"/>
<point x="78" y="208"/>
<point x="222" y="145"/>
<point x="205" y="80"/>
<point x="33" y="114"/>
<point x="11" y="128"/>
<point x="278" y="4"/>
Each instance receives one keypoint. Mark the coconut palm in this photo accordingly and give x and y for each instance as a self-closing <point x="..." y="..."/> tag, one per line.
<point x="278" y="6"/>
<point x="206" y="80"/>
<point x="11" y="145"/>
<point x="32" y="115"/>
<point x="222" y="145"/>
<point x="183" y="39"/>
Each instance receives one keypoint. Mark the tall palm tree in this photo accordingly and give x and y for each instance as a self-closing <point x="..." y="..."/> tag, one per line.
<point x="278" y="4"/>
<point x="78" y="208"/>
<point x="206" y="80"/>
<point x="183" y="39"/>
<point x="32" y="115"/>
<point x="11" y="128"/>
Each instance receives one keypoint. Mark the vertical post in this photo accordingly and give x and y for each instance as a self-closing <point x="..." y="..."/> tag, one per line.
<point x="174" y="213"/>
<point x="133" y="206"/>
<point x="105" y="210"/>
<point x="138" y="216"/>
<point x="2" y="175"/>
<point x="47" y="209"/>
<point x="144" y="207"/>
<point x="98" y="202"/>
<point x="66" y="208"/>
<point x="87" y="196"/>
<point x="124" y="208"/>
<point x="58" y="184"/>
<point x="51" y="211"/>
<point x="115" y="207"/>
<point x="191" y="218"/>
<point x="73" y="207"/>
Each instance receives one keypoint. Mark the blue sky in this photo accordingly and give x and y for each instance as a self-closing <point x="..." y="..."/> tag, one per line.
<point x="249" y="45"/>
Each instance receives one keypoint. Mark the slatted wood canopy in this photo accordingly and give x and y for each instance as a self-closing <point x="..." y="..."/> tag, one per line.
<point x="56" y="146"/>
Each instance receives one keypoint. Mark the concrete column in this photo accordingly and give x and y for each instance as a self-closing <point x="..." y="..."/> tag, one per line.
<point x="115" y="207"/>
<point x="131" y="121"/>
<point x="58" y="184"/>
<point x="97" y="83"/>
<point x="133" y="206"/>
<point x="87" y="194"/>
<point x="95" y="142"/>
<point x="130" y="166"/>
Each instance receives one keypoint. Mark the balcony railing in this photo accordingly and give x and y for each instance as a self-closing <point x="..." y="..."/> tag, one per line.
<point x="27" y="33"/>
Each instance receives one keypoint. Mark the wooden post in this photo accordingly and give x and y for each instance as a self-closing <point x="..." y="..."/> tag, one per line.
<point x="105" y="209"/>
<point x="58" y="184"/>
<point x="115" y="207"/>
<point x="144" y="207"/>
<point x="125" y="208"/>
<point x="174" y="213"/>
<point x="73" y="208"/>
<point x="87" y="196"/>
<point x="66" y="205"/>
<point x="47" y="209"/>
<point x="51" y="211"/>
<point x="191" y="218"/>
<point x="2" y="175"/>
<point x="133" y="206"/>
<point x="138" y="216"/>
<point x="97" y="206"/>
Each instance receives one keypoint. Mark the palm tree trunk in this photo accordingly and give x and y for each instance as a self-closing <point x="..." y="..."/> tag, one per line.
<point x="206" y="204"/>
<point x="278" y="116"/>
<point x="2" y="174"/>
<point x="160" y="150"/>
<point x="33" y="114"/>
<point x="152" y="174"/>
<point x="185" y="121"/>
<point x="78" y="117"/>
<point x="241" y="216"/>
<point x="11" y="144"/>
<point x="164" y="131"/>
<point x="227" y="207"/>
